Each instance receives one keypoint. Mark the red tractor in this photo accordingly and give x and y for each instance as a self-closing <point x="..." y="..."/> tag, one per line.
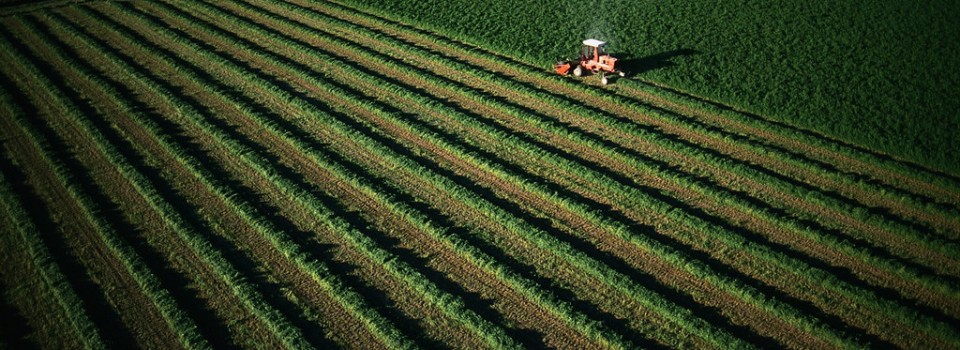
<point x="593" y="57"/>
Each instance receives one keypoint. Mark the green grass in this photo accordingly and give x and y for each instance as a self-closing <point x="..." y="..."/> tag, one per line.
<point x="877" y="74"/>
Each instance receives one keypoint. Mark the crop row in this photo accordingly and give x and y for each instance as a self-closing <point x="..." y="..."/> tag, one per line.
<point x="410" y="71"/>
<point x="497" y="137"/>
<point x="459" y="151"/>
<point x="743" y="169"/>
<point x="684" y="181"/>
<point x="319" y="271"/>
<point x="149" y="283"/>
<point x="50" y="272"/>
<point x="450" y="304"/>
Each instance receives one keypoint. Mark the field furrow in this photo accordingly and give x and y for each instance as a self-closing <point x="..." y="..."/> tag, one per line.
<point x="295" y="78"/>
<point x="315" y="112"/>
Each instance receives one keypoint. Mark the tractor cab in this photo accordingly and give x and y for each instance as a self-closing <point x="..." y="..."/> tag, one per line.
<point x="592" y="49"/>
<point x="593" y="58"/>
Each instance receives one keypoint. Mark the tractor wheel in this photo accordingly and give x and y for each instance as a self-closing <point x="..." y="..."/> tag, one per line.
<point x="604" y="81"/>
<point x="577" y="71"/>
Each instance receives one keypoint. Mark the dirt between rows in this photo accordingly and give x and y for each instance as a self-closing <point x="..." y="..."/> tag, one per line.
<point x="436" y="46"/>
<point x="938" y="261"/>
<point x="202" y="293"/>
<point x="140" y="323"/>
<point x="381" y="68"/>
<point x="283" y="284"/>
<point x="520" y="311"/>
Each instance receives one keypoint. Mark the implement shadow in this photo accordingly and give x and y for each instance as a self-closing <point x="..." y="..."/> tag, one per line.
<point x="644" y="64"/>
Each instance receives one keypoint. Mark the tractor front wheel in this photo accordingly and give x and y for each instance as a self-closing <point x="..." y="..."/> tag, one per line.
<point x="577" y="71"/>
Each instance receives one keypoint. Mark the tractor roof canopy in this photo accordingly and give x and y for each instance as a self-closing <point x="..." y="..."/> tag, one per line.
<point x="593" y="42"/>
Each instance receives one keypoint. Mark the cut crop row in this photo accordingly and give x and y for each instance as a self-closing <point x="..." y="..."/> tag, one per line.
<point x="246" y="48"/>
<point x="316" y="269"/>
<point x="49" y="270"/>
<point x="380" y="194"/>
<point x="373" y="90"/>
<point x="149" y="283"/>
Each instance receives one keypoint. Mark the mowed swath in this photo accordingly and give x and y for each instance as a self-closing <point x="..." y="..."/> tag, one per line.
<point x="308" y="175"/>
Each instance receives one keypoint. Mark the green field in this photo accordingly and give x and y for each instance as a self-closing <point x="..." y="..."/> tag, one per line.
<point x="878" y="74"/>
<point x="313" y="174"/>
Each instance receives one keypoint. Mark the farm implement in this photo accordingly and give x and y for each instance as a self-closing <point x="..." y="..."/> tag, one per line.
<point x="593" y="58"/>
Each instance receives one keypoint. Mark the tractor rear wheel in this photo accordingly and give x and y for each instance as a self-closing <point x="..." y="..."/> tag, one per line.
<point x="577" y="71"/>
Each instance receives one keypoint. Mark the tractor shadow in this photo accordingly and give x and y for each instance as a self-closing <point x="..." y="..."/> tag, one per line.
<point x="640" y="65"/>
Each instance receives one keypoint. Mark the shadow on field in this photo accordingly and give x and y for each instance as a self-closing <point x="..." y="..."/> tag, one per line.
<point x="14" y="328"/>
<point x="640" y="65"/>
